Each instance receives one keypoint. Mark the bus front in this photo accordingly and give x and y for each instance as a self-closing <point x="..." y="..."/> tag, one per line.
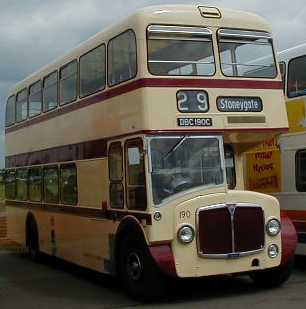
<point x="213" y="90"/>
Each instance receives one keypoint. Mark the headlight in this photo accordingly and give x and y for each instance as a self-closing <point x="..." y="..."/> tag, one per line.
<point x="273" y="227"/>
<point x="185" y="234"/>
<point x="273" y="251"/>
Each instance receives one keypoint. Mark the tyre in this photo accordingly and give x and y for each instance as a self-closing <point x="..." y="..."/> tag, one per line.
<point x="274" y="277"/>
<point x="33" y="241"/>
<point x="138" y="272"/>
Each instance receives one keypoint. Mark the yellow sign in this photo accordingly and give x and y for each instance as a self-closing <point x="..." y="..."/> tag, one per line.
<point x="296" y="116"/>
<point x="263" y="171"/>
<point x="270" y="144"/>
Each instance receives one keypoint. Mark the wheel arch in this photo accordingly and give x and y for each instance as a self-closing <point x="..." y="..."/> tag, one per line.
<point x="30" y="222"/>
<point x="128" y="225"/>
<point x="289" y="238"/>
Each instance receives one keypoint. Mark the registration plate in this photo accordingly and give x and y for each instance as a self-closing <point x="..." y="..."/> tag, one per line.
<point x="194" y="122"/>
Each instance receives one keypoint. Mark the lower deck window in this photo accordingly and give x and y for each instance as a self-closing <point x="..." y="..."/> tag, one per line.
<point x="10" y="185"/>
<point x="50" y="175"/>
<point x="136" y="184"/>
<point x="22" y="184"/>
<point x="115" y="163"/>
<point x="68" y="184"/>
<point x="35" y="184"/>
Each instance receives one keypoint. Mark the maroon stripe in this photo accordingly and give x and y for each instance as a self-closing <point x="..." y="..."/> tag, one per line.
<point x="98" y="148"/>
<point x="212" y="83"/>
<point x="81" y="151"/>
<point x="149" y="82"/>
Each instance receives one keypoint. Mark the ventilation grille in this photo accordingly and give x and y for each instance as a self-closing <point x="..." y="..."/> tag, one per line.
<point x="227" y="230"/>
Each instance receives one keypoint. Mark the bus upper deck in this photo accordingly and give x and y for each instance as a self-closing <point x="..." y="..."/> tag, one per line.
<point x="206" y="72"/>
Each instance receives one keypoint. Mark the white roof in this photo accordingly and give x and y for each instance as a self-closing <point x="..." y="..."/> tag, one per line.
<point x="292" y="52"/>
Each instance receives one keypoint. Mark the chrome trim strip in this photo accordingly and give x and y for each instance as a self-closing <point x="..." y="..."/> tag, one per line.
<point x="184" y="62"/>
<point x="244" y="34"/>
<point x="177" y="30"/>
<point x="234" y="254"/>
<point x="232" y="213"/>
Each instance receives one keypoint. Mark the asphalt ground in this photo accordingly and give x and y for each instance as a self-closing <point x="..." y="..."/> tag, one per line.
<point x="57" y="284"/>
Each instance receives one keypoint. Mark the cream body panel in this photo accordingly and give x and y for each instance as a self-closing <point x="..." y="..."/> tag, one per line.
<point x="163" y="230"/>
<point x="16" y="224"/>
<point x="77" y="239"/>
<point x="141" y="110"/>
<point x="92" y="181"/>
<point x="117" y="116"/>
<point x="190" y="264"/>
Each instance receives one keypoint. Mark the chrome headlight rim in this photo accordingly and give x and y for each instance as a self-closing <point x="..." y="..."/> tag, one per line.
<point x="269" y="227"/>
<point x="184" y="229"/>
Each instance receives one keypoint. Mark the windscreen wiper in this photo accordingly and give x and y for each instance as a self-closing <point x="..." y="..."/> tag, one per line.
<point x="175" y="147"/>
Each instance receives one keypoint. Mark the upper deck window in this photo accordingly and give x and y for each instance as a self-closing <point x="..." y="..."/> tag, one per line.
<point x="35" y="103"/>
<point x="92" y="71"/>
<point x="50" y="91"/>
<point x="246" y="54"/>
<point x="68" y="82"/>
<point x="175" y="50"/>
<point x="122" y="60"/>
<point x="296" y="85"/>
<point x="10" y="111"/>
<point x="22" y="105"/>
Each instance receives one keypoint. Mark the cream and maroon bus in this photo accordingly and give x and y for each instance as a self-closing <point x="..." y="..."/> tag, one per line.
<point x="126" y="155"/>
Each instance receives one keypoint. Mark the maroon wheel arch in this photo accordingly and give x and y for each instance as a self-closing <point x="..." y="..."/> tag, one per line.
<point x="164" y="259"/>
<point x="289" y="238"/>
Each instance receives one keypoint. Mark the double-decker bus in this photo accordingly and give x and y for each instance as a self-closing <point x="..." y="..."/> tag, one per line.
<point x="126" y="155"/>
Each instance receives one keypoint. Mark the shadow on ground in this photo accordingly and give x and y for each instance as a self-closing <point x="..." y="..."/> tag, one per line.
<point x="83" y="285"/>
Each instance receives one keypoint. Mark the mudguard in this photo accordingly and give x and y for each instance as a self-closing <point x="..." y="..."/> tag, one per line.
<point x="164" y="259"/>
<point x="289" y="238"/>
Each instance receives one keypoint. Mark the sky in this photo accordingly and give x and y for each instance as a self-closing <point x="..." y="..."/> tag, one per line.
<point x="35" y="32"/>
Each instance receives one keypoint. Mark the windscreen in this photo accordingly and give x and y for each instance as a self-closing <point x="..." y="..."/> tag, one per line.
<point x="183" y="163"/>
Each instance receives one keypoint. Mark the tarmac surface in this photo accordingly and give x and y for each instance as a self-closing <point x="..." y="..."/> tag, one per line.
<point x="57" y="284"/>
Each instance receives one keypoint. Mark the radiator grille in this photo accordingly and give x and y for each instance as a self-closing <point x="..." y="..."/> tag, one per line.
<point x="230" y="229"/>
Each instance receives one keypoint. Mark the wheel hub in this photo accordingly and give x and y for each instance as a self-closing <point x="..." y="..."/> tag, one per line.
<point x="134" y="266"/>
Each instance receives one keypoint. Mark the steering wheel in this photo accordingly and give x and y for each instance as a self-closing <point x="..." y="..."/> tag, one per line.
<point x="181" y="183"/>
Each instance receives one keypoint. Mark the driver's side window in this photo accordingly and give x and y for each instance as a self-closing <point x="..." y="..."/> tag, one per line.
<point x="115" y="162"/>
<point x="135" y="175"/>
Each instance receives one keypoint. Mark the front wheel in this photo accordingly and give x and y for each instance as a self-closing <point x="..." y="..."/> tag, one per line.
<point x="138" y="271"/>
<point x="274" y="277"/>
